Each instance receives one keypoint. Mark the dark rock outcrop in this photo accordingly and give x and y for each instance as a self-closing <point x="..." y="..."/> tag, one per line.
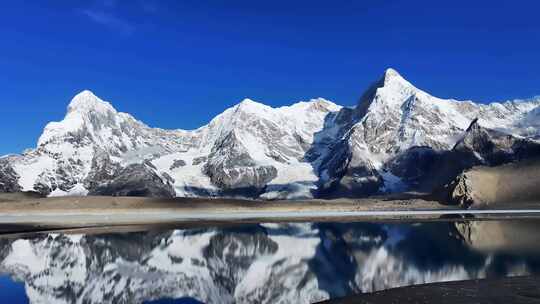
<point x="424" y="169"/>
<point x="491" y="181"/>
<point x="136" y="180"/>
<point x="103" y="170"/>
<point x="460" y="191"/>
<point x="427" y="170"/>
<point x="325" y="150"/>
<point x="199" y="160"/>
<point x="492" y="147"/>
<point x="231" y="168"/>
<point x="177" y="164"/>
<point x="513" y="183"/>
<point x="347" y="173"/>
<point x="8" y="177"/>
<point x="413" y="165"/>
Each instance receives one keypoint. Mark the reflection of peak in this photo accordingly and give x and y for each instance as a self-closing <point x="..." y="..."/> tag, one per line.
<point x="274" y="263"/>
<point x="86" y="101"/>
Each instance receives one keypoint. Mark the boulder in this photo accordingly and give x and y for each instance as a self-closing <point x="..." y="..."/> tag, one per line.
<point x="8" y="178"/>
<point x="506" y="185"/>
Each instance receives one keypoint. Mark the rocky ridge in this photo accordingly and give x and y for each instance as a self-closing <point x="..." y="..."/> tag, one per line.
<point x="308" y="149"/>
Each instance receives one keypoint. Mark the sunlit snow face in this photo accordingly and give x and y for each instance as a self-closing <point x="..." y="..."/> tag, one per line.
<point x="290" y="152"/>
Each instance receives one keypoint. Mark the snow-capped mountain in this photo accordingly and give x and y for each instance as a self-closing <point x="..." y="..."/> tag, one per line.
<point x="313" y="148"/>
<point x="393" y="116"/>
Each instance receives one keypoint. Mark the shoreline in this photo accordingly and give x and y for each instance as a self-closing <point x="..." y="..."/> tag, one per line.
<point x="125" y="216"/>
<point x="98" y="211"/>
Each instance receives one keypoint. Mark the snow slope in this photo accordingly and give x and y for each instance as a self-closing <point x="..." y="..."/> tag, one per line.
<point x="255" y="150"/>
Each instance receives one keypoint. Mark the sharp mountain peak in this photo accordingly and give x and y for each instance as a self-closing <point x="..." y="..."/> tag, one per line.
<point x="296" y="151"/>
<point x="87" y="101"/>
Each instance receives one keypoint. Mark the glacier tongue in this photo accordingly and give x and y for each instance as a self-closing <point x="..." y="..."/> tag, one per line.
<point x="308" y="149"/>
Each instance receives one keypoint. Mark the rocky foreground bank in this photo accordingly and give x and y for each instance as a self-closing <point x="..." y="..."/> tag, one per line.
<point x="92" y="211"/>
<point x="517" y="290"/>
<point x="508" y="184"/>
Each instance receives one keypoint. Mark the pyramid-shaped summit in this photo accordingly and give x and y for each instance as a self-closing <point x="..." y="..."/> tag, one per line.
<point x="253" y="150"/>
<point x="88" y="101"/>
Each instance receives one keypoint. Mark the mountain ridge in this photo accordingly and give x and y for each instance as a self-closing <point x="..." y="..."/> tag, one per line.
<point x="308" y="149"/>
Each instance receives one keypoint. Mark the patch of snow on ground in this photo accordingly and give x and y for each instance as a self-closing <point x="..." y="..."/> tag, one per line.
<point x="77" y="190"/>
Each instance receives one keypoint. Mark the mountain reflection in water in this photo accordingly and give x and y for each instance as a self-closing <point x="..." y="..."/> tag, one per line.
<point x="267" y="263"/>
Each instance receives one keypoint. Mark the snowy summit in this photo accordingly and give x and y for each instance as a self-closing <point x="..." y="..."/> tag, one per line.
<point x="309" y="149"/>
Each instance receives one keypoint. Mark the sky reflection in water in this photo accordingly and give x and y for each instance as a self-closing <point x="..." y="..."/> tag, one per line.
<point x="292" y="263"/>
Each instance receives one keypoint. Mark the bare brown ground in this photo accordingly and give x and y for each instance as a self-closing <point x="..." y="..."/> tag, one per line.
<point x="515" y="183"/>
<point x="24" y="213"/>
<point x="102" y="212"/>
<point x="113" y="204"/>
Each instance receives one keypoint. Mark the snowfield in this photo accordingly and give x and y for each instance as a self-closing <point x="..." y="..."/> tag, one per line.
<point x="290" y="152"/>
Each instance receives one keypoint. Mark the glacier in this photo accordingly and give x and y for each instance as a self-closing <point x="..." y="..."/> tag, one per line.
<point x="312" y="148"/>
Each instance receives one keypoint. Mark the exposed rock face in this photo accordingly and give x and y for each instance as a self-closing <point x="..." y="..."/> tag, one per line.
<point x="8" y="177"/>
<point x="348" y="174"/>
<point x="230" y="167"/>
<point x="400" y="129"/>
<point x="298" y="151"/>
<point x="394" y="116"/>
<point x="199" y="160"/>
<point x="493" y="147"/>
<point x="461" y="191"/>
<point x="102" y="171"/>
<point x="136" y="180"/>
<point x="426" y="169"/>
<point x="490" y="148"/>
<point x="415" y="165"/>
<point x="177" y="164"/>
<point x="515" y="183"/>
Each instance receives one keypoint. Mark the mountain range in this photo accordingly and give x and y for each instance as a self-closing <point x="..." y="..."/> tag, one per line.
<point x="396" y="138"/>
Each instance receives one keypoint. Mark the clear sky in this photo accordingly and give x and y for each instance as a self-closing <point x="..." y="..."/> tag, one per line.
<point x="176" y="64"/>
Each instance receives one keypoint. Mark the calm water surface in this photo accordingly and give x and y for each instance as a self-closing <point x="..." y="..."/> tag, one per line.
<point x="267" y="263"/>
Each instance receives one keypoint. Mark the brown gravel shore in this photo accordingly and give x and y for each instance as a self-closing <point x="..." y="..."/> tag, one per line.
<point x="94" y="211"/>
<point x="27" y="212"/>
<point x="23" y="202"/>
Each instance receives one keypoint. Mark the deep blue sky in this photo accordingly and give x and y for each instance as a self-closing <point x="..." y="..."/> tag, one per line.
<point x="176" y="64"/>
